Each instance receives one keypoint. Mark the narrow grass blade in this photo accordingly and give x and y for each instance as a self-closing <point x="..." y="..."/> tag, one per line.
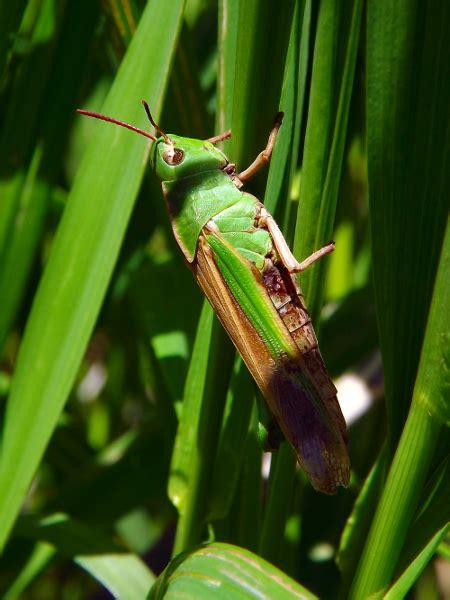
<point x="227" y="41"/>
<point x="196" y="439"/>
<point x="434" y="514"/>
<point x="417" y="444"/>
<point x="191" y="466"/>
<point x="285" y="156"/>
<point x="232" y="442"/>
<point x="246" y="514"/>
<point x="262" y="43"/>
<point x="10" y="17"/>
<point x="124" y="15"/>
<point x="83" y="255"/>
<point x="358" y="523"/>
<point x="337" y="35"/>
<point x="21" y="119"/>
<point x="54" y="104"/>
<point x="186" y="111"/>
<point x="121" y="572"/>
<point x="40" y="557"/>
<point x="282" y="477"/>
<point x="407" y="579"/>
<point x="15" y="260"/>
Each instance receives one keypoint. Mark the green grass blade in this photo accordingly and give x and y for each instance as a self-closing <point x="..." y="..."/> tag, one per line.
<point x="228" y="20"/>
<point x="232" y="441"/>
<point x="246" y="515"/>
<point x="195" y="444"/>
<point x="397" y="504"/>
<point x="83" y="255"/>
<point x="191" y="467"/>
<point x="11" y="14"/>
<point x="408" y="61"/>
<point x="40" y="557"/>
<point x="284" y="158"/>
<point x="24" y="233"/>
<point x="354" y="534"/>
<point x="262" y="43"/>
<point x="432" y="518"/>
<point x="408" y="158"/>
<point x="407" y="579"/>
<point x="337" y="34"/>
<point x="55" y="105"/>
<point x="186" y="111"/>
<point x="282" y="477"/>
<point x="121" y="572"/>
<point x="21" y="119"/>
<point x="411" y="462"/>
<point x="227" y="572"/>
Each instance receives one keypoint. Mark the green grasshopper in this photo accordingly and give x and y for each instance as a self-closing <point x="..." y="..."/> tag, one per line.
<point x="243" y="265"/>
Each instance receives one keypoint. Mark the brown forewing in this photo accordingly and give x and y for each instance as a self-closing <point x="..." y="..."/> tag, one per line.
<point x="308" y="421"/>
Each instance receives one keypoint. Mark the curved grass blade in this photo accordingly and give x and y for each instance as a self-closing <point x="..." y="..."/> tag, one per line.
<point x="225" y="572"/>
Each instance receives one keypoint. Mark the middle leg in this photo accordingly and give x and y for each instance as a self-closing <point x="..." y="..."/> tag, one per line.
<point x="284" y="252"/>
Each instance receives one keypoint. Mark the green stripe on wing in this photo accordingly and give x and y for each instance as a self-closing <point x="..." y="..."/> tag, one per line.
<point x="251" y="296"/>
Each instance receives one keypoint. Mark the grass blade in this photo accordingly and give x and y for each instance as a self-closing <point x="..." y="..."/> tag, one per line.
<point x="408" y="61"/>
<point x="407" y="579"/>
<point x="41" y="556"/>
<point x="54" y="110"/>
<point x="325" y="137"/>
<point x="78" y="271"/>
<point x="204" y="394"/>
<point x="10" y="17"/>
<point x="230" y="571"/>
<point x="416" y="448"/>
<point x="121" y="572"/>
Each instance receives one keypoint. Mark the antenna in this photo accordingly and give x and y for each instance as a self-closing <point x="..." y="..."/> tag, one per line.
<point x="157" y="127"/>
<point x="95" y="115"/>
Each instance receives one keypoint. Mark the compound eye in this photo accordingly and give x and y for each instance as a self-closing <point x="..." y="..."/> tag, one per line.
<point x="173" y="156"/>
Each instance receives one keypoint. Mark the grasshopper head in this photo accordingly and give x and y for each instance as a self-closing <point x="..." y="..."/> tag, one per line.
<point x="174" y="157"/>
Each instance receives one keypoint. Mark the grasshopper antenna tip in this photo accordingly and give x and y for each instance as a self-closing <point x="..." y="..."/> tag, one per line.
<point x="152" y="121"/>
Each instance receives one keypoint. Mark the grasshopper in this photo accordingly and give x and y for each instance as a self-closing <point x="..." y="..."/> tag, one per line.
<point x="245" y="268"/>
